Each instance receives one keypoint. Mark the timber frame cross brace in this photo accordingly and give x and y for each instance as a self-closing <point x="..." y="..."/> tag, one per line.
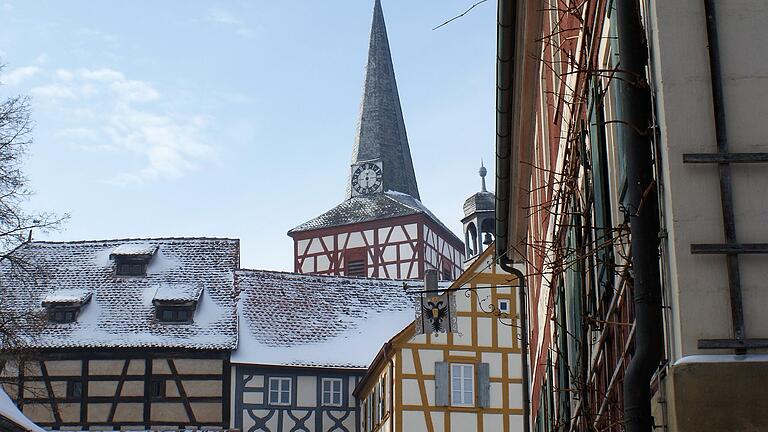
<point x="731" y="248"/>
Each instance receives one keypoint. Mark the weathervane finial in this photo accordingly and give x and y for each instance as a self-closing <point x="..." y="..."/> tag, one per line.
<point x="483" y="172"/>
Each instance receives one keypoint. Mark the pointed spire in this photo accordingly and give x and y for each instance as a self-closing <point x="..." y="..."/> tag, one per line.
<point x="381" y="129"/>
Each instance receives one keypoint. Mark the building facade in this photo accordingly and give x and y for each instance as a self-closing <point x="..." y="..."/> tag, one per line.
<point x="623" y="182"/>
<point x="381" y="229"/>
<point x="452" y="382"/>
<point x="305" y="343"/>
<point x="137" y="334"/>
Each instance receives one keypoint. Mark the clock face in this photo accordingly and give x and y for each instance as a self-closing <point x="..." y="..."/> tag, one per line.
<point x="367" y="178"/>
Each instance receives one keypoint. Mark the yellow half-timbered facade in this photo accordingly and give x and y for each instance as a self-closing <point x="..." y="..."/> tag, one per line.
<point x="452" y="382"/>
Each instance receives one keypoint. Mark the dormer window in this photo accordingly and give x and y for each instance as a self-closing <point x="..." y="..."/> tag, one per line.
<point x="62" y="316"/>
<point x="132" y="259"/>
<point x="131" y="268"/>
<point x="64" y="306"/>
<point x="176" y="304"/>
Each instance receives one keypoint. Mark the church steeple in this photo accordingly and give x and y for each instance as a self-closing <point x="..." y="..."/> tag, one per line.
<point x="381" y="132"/>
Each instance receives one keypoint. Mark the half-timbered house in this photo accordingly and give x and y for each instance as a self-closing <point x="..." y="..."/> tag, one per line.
<point x="382" y="229"/>
<point x="305" y="342"/>
<point x="452" y="382"/>
<point x="630" y="135"/>
<point x="138" y="333"/>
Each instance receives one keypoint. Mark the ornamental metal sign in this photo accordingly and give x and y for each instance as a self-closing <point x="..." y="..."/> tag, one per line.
<point x="436" y="313"/>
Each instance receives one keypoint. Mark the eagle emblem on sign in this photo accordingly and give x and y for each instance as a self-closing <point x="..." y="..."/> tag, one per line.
<point x="436" y="314"/>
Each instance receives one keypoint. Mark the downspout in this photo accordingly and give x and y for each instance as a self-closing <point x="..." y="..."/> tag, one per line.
<point x="643" y="217"/>
<point x="505" y="66"/>
<point x="522" y="306"/>
<point x="391" y="392"/>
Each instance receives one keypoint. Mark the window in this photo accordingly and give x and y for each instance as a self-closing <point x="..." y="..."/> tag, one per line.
<point x="462" y="384"/>
<point x="355" y="260"/>
<point x="279" y="391"/>
<point x="332" y="391"/>
<point x="504" y="306"/>
<point x="157" y="389"/>
<point x="131" y="268"/>
<point x="60" y="315"/>
<point x="382" y="404"/>
<point x="174" y="314"/>
<point x="447" y="274"/>
<point x="356" y="268"/>
<point x="74" y="389"/>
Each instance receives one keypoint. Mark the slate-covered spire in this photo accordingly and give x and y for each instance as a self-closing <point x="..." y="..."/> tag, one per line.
<point x="381" y="129"/>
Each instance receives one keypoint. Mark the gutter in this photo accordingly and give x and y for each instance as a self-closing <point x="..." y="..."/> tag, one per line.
<point x="506" y="218"/>
<point x="505" y="67"/>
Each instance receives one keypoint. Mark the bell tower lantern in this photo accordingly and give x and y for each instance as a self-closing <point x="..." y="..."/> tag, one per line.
<point x="479" y="220"/>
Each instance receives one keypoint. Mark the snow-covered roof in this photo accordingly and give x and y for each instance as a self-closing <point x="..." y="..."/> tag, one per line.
<point x="9" y="412"/>
<point x="365" y="208"/>
<point x="134" y="249"/>
<point x="120" y="313"/>
<point x="76" y="296"/>
<point x="173" y="293"/>
<point x="321" y="321"/>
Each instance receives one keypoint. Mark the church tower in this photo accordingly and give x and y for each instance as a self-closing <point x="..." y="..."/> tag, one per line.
<point x="382" y="229"/>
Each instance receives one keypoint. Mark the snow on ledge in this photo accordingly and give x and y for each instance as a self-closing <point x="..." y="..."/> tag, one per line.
<point x="171" y="293"/>
<point x="74" y="295"/>
<point x="134" y="249"/>
<point x="723" y="358"/>
<point x="9" y="410"/>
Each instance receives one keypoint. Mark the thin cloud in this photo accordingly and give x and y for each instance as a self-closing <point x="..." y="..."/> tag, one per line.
<point x="16" y="76"/>
<point x="53" y="92"/>
<point x="126" y="121"/>
<point x="223" y="17"/>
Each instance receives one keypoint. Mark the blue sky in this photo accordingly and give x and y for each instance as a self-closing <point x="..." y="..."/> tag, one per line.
<point x="236" y="119"/>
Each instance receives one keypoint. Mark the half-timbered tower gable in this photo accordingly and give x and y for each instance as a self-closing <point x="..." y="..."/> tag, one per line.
<point x="137" y="332"/>
<point x="388" y="235"/>
<point x="456" y="382"/>
<point x="305" y="342"/>
<point x="382" y="229"/>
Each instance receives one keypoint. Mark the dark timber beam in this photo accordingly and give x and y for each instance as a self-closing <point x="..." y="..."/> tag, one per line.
<point x="703" y="158"/>
<point x="733" y="344"/>
<point x="729" y="248"/>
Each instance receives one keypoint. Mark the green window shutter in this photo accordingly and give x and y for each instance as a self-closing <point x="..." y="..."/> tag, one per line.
<point x="442" y="384"/>
<point x="483" y="385"/>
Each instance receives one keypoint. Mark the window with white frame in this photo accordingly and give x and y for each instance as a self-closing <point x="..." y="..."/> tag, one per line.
<point x="332" y="391"/>
<point x="462" y="384"/>
<point x="279" y="391"/>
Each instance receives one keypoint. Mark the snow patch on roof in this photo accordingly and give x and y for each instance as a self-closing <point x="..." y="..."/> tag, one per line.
<point x="9" y="410"/>
<point x="321" y="321"/>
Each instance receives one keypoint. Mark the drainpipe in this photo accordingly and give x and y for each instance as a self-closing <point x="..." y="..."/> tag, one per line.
<point x="643" y="217"/>
<point x="506" y="265"/>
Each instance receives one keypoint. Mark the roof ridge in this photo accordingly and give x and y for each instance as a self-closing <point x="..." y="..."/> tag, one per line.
<point x="246" y="270"/>
<point x="392" y="193"/>
<point x="76" y="242"/>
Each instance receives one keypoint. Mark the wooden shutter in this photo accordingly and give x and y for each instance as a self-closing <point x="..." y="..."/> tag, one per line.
<point x="442" y="384"/>
<point x="483" y="385"/>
